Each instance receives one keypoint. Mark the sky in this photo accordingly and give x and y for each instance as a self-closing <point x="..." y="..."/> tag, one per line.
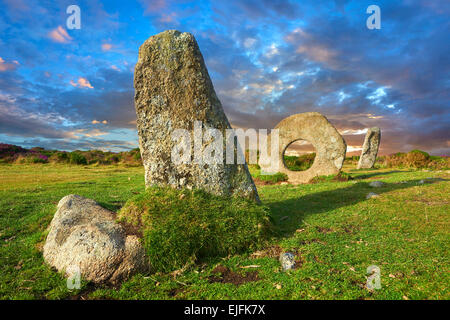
<point x="73" y="89"/>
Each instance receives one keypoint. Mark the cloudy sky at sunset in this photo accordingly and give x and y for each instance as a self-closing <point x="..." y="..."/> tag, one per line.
<point x="73" y="89"/>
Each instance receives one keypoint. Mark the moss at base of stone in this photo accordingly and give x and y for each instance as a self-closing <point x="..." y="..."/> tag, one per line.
<point x="180" y="226"/>
<point x="340" y="177"/>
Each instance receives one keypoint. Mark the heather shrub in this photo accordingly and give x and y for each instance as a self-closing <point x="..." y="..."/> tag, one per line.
<point x="9" y="153"/>
<point x="415" y="159"/>
<point x="77" y="158"/>
<point x="59" y="157"/>
<point x="31" y="158"/>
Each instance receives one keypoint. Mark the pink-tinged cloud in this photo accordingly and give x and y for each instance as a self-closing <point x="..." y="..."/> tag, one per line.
<point x="106" y="46"/>
<point x="60" y="35"/>
<point x="152" y="6"/>
<point x="317" y="53"/>
<point x="4" y="66"/>
<point x="94" y="133"/>
<point x="16" y="9"/>
<point x="168" y="18"/>
<point x="81" y="83"/>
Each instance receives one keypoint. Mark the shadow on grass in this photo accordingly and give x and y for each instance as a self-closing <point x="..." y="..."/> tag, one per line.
<point x="289" y="214"/>
<point x="113" y="206"/>
<point x="375" y="174"/>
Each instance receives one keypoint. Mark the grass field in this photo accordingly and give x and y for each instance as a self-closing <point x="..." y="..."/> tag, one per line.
<point x="333" y="230"/>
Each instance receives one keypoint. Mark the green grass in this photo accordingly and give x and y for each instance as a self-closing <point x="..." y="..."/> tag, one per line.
<point x="184" y="226"/>
<point x="341" y="176"/>
<point x="259" y="178"/>
<point x="333" y="230"/>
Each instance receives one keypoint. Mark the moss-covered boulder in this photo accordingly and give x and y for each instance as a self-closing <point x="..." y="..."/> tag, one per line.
<point x="180" y="226"/>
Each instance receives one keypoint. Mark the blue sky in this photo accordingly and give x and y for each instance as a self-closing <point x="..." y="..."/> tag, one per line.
<point x="73" y="89"/>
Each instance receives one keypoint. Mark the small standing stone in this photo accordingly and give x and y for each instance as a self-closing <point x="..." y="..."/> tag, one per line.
<point x="370" y="148"/>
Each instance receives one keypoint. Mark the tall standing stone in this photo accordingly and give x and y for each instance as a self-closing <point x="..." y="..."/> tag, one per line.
<point x="173" y="90"/>
<point x="370" y="148"/>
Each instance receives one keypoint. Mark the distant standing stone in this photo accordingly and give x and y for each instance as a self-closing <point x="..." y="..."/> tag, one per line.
<point x="376" y="184"/>
<point x="287" y="261"/>
<point x="173" y="90"/>
<point x="370" y="148"/>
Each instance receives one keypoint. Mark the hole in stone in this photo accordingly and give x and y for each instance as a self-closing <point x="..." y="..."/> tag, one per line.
<point x="299" y="155"/>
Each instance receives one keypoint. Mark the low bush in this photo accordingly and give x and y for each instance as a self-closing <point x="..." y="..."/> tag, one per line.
<point x="15" y="154"/>
<point x="31" y="158"/>
<point x="301" y="163"/>
<point x="9" y="153"/>
<point x="40" y="158"/>
<point x="77" y="158"/>
<point x="182" y="226"/>
<point x="351" y="160"/>
<point x="59" y="157"/>
<point x="415" y="159"/>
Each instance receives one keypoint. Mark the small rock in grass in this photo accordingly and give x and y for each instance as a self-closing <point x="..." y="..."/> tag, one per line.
<point x="287" y="261"/>
<point x="284" y="218"/>
<point x="376" y="184"/>
<point x="372" y="195"/>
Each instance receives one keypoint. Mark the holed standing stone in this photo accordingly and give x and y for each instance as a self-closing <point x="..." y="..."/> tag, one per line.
<point x="172" y="91"/>
<point x="316" y="129"/>
<point x="370" y="148"/>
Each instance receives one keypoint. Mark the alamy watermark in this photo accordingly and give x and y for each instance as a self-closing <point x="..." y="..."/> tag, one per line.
<point x="374" y="20"/>
<point x="206" y="146"/>
<point x="74" y="277"/>
<point x="374" y="278"/>
<point x="74" y="20"/>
